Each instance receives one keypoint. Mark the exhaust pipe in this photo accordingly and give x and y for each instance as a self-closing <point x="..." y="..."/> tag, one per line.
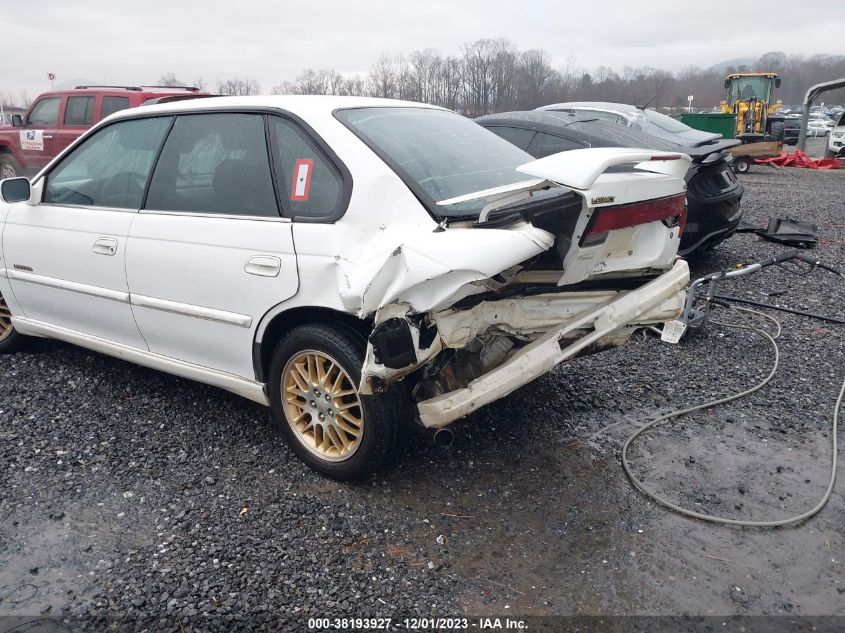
<point x="443" y="438"/>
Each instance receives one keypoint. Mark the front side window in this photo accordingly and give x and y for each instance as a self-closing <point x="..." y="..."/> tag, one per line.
<point x="113" y="104"/>
<point x="215" y="163"/>
<point x="79" y="111"/>
<point x="45" y="112"/>
<point x="745" y="88"/>
<point x="110" y="168"/>
<point x="439" y="154"/>
<point x="311" y="184"/>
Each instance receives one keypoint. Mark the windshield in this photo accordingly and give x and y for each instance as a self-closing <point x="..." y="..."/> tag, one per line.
<point x="745" y="88"/>
<point x="439" y="154"/>
<point x="666" y="122"/>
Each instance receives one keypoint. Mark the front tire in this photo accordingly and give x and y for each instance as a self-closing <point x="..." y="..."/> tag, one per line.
<point x="9" y="167"/>
<point x="10" y="339"/>
<point x="314" y="400"/>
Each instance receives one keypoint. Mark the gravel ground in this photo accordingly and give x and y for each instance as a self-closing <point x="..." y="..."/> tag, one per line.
<point x="135" y="500"/>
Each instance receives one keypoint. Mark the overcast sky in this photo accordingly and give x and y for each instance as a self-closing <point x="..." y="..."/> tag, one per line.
<point x="137" y="42"/>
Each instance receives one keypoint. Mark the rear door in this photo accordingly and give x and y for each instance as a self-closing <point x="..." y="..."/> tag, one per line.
<point x="210" y="253"/>
<point x="77" y="118"/>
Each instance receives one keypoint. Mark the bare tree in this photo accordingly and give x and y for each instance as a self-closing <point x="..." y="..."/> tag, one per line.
<point x="493" y="75"/>
<point x="169" y="79"/>
<point x="383" y="77"/>
<point x="535" y="79"/>
<point x="322" y="82"/>
<point x="238" y="86"/>
<point x="480" y="76"/>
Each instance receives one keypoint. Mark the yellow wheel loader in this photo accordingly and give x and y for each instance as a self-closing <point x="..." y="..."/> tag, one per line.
<point x="758" y="124"/>
<point x="749" y="97"/>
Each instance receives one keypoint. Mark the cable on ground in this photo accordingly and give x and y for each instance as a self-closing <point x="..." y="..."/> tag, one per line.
<point x="661" y="500"/>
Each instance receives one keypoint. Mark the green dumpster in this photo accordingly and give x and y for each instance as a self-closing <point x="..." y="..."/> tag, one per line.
<point x="718" y="123"/>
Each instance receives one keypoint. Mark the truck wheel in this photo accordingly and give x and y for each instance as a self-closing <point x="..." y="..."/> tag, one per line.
<point x="9" y="167"/>
<point x="741" y="165"/>
<point x="314" y="401"/>
<point x="777" y="131"/>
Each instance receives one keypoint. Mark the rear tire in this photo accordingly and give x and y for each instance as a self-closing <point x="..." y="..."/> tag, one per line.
<point x="777" y="131"/>
<point x="313" y="386"/>
<point x="741" y="165"/>
<point x="9" y="167"/>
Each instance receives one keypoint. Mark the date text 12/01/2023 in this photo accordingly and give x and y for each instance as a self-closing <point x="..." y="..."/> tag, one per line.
<point x="416" y="624"/>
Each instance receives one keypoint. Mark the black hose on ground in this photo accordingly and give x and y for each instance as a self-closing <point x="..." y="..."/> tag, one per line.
<point x="761" y="304"/>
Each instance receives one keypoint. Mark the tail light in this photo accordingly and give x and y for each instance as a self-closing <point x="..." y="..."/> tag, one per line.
<point x="672" y="211"/>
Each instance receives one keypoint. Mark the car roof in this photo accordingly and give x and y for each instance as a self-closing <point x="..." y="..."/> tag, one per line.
<point x="292" y="103"/>
<point x="145" y="92"/>
<point x="596" y="132"/>
<point x="596" y="105"/>
<point x="582" y="127"/>
<point x="552" y="118"/>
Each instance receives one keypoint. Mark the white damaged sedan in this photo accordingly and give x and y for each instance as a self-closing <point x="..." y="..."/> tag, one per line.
<point x="351" y="263"/>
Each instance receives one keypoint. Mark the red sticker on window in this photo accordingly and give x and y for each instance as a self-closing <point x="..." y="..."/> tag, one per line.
<point x="301" y="179"/>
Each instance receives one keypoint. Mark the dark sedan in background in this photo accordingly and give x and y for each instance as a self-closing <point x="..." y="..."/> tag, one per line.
<point x="713" y="190"/>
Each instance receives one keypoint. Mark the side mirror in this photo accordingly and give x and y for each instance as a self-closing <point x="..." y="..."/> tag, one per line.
<point x="17" y="120"/>
<point x="777" y="82"/>
<point x="727" y="83"/>
<point x="15" y="190"/>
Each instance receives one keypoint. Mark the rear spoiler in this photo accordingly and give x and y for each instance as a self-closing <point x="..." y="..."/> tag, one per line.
<point x="580" y="168"/>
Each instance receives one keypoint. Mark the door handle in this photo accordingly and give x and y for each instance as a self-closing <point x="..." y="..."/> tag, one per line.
<point x="105" y="246"/>
<point x="263" y="266"/>
<point x="47" y="136"/>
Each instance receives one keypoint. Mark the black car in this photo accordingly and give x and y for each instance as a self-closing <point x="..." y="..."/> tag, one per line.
<point x="713" y="190"/>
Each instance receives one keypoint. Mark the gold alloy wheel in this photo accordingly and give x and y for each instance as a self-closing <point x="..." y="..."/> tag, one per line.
<point x="322" y="406"/>
<point x="5" y="320"/>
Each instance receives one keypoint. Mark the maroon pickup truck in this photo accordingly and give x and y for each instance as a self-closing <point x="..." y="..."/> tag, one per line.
<point x="56" y="119"/>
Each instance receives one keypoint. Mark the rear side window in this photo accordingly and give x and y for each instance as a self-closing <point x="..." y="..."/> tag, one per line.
<point x="604" y="116"/>
<point x="215" y="163"/>
<point x="548" y="144"/>
<point x="79" y="111"/>
<point x="45" y="112"/>
<point x="439" y="154"/>
<point x="311" y="185"/>
<point x="516" y="135"/>
<point x="113" y="104"/>
<point x="110" y="168"/>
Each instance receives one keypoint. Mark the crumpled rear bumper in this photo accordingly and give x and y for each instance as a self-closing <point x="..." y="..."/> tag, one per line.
<point x="539" y="357"/>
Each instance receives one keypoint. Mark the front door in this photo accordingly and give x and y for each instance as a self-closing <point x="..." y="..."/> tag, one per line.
<point x="39" y="138"/>
<point x="65" y="257"/>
